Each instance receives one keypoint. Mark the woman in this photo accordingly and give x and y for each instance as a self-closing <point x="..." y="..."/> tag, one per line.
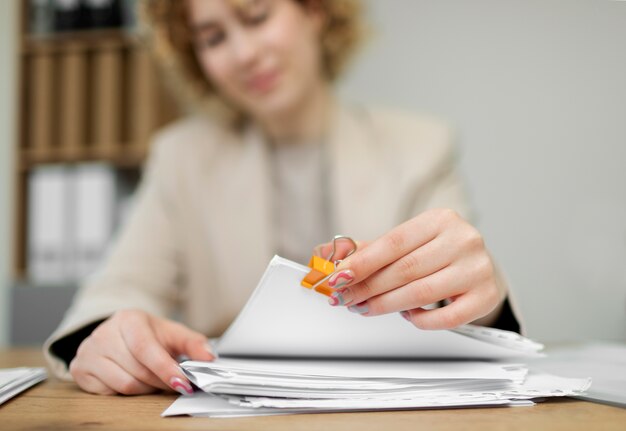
<point x="282" y="168"/>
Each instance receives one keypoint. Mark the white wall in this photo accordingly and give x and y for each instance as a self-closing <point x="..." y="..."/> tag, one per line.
<point x="537" y="89"/>
<point x="8" y="21"/>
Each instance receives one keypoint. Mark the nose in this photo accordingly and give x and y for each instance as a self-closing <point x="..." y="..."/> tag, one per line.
<point x="245" y="47"/>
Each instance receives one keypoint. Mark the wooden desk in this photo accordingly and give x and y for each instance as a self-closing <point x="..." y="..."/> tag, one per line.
<point x="59" y="405"/>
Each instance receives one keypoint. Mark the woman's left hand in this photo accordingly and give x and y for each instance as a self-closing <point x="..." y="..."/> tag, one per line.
<point x="433" y="257"/>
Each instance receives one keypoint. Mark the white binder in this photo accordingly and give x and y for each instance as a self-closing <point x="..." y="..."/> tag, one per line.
<point x="48" y="225"/>
<point x="94" y="210"/>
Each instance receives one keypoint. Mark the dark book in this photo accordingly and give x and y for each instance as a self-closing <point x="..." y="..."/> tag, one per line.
<point x="68" y="15"/>
<point x="103" y="13"/>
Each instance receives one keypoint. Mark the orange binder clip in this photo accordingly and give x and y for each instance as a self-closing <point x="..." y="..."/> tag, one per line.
<point x="317" y="278"/>
<point x="322" y="269"/>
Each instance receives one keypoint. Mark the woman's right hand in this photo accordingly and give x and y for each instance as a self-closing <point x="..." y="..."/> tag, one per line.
<point x="132" y="353"/>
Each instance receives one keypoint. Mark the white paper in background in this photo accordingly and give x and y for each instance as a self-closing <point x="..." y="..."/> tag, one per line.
<point x="604" y="362"/>
<point x="282" y="318"/>
<point x="94" y="208"/>
<point x="15" y="380"/>
<point x="49" y="222"/>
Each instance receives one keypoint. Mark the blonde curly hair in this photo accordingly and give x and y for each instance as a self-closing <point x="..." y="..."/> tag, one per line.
<point x="167" y="33"/>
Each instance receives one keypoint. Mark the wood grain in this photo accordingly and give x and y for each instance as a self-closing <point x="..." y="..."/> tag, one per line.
<point x="61" y="405"/>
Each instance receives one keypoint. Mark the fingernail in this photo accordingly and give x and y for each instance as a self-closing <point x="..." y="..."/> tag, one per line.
<point x="211" y="352"/>
<point x="342" y="296"/>
<point x="181" y="386"/>
<point x="341" y="279"/>
<point x="406" y="315"/>
<point x="361" y="308"/>
<point x="345" y="263"/>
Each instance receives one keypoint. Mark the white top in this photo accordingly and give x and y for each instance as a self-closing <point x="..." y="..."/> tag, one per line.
<point x="300" y="201"/>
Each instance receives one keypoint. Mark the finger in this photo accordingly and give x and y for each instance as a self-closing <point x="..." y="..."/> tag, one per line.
<point x="107" y="341"/>
<point x="181" y="340"/>
<point x="419" y="293"/>
<point x="87" y="381"/>
<point x="342" y="249"/>
<point x="94" y="385"/>
<point x="122" y="356"/>
<point x="119" y="379"/>
<point x="465" y="309"/>
<point x="143" y="344"/>
<point x="426" y="260"/>
<point x="392" y="246"/>
<point x="321" y="250"/>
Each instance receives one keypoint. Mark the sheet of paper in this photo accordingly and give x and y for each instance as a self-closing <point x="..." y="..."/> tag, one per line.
<point x="439" y="401"/>
<point x="370" y="369"/>
<point x="207" y="405"/>
<point x="284" y="319"/>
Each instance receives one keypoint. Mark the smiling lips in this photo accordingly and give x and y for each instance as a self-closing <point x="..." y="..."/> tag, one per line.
<point x="263" y="82"/>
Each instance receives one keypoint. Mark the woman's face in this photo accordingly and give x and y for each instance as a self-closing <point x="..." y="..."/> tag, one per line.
<point x="262" y="55"/>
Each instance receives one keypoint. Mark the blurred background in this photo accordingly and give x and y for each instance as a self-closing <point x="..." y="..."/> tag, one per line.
<point x="535" y="89"/>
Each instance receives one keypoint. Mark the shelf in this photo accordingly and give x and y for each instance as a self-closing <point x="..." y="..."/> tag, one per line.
<point x="84" y="96"/>
<point x="85" y="39"/>
<point x="126" y="158"/>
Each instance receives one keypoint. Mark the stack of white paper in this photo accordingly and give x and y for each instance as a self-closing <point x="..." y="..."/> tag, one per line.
<point x="15" y="380"/>
<point x="299" y="355"/>
<point x="250" y="387"/>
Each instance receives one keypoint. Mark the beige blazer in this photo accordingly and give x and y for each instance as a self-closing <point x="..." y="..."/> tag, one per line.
<point x="200" y="234"/>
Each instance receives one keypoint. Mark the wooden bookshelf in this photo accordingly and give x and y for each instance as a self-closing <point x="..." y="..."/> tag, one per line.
<point x="92" y="95"/>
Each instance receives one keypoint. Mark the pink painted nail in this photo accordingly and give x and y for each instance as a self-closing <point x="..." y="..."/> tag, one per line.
<point x="181" y="386"/>
<point x="333" y="300"/>
<point x="211" y="352"/>
<point x="343" y="296"/>
<point x="361" y="308"/>
<point x="340" y="279"/>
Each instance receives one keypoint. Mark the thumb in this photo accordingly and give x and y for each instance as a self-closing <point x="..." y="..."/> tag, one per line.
<point x="197" y="347"/>
<point x="341" y="251"/>
<point x="182" y="340"/>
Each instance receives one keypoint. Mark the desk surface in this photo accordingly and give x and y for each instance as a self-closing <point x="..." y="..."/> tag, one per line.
<point x="60" y="405"/>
